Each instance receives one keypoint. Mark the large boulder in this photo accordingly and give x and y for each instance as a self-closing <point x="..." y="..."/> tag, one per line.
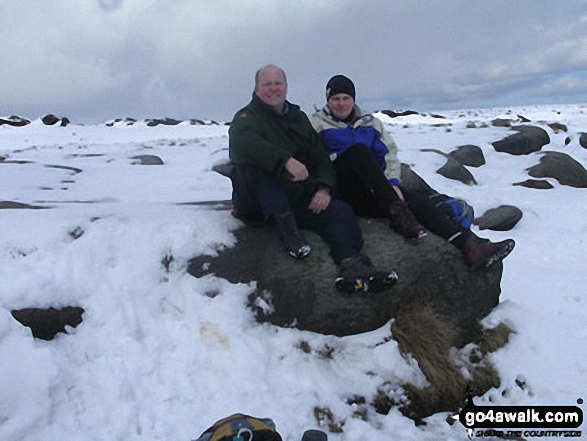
<point x="502" y="218"/>
<point x="454" y="170"/>
<point x="529" y="139"/>
<point x="583" y="140"/>
<point x="561" y="167"/>
<point x="303" y="296"/>
<point x="412" y="181"/>
<point x="470" y="155"/>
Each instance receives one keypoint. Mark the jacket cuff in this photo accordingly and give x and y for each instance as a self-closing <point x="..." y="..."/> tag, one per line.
<point x="396" y="182"/>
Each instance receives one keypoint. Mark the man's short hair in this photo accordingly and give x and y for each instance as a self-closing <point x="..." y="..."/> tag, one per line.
<point x="266" y="67"/>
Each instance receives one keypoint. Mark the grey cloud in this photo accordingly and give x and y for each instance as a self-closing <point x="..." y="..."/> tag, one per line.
<point x="108" y="58"/>
<point x="110" y="5"/>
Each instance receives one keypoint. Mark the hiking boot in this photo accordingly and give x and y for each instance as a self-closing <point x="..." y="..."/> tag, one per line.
<point x="482" y="253"/>
<point x="293" y="242"/>
<point x="358" y="274"/>
<point x="402" y="220"/>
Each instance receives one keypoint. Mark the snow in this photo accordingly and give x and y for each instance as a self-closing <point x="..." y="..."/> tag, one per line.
<point x="161" y="355"/>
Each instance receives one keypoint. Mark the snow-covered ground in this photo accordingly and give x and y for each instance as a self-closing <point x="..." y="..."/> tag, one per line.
<point x="161" y="355"/>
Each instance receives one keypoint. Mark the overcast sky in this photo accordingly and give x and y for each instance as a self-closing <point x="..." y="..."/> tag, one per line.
<point x="95" y="60"/>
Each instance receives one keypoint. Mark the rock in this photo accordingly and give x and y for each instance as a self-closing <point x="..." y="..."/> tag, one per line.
<point x="558" y="127"/>
<point x="302" y="293"/>
<point x="567" y="140"/>
<point x="502" y="218"/>
<point x="18" y="205"/>
<point x="125" y="121"/>
<point x="47" y="323"/>
<point x="453" y="169"/>
<point x="583" y="140"/>
<point x="393" y="114"/>
<point x="561" y="167"/>
<point x="197" y="122"/>
<point x="529" y="139"/>
<point x="51" y="120"/>
<point x="74" y="170"/>
<point x="164" y="121"/>
<point x="539" y="184"/>
<point x="470" y="155"/>
<point x="148" y="160"/>
<point x="15" y="121"/>
<point x="500" y="122"/>
<point x="411" y="180"/>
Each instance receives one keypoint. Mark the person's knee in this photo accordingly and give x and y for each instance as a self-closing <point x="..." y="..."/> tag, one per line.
<point x="341" y="210"/>
<point x="356" y="150"/>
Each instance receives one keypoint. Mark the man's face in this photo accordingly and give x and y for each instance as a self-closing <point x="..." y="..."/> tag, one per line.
<point x="271" y="87"/>
<point x="341" y="105"/>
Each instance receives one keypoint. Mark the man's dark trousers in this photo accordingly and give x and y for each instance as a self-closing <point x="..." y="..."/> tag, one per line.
<point x="257" y="196"/>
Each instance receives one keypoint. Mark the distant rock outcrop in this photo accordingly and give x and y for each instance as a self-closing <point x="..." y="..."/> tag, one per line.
<point x="163" y="121"/>
<point x="502" y="218"/>
<point x="51" y="120"/>
<point x="121" y="121"/>
<point x="393" y="114"/>
<point x="529" y="139"/>
<point x="15" y="121"/>
<point x="562" y="167"/>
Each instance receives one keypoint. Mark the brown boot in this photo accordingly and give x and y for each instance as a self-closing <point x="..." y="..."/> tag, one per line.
<point x="402" y="220"/>
<point x="482" y="253"/>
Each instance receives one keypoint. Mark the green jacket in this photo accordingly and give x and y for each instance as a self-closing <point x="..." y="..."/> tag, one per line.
<point x="259" y="136"/>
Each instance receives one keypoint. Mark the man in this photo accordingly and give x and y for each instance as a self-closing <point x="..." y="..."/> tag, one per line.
<point x="282" y="174"/>
<point x="368" y="177"/>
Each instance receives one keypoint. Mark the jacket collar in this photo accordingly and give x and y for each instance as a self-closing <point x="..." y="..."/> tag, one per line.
<point x="290" y="112"/>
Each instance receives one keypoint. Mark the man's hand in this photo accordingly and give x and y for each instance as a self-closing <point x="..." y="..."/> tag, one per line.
<point x="320" y="201"/>
<point x="296" y="169"/>
<point x="399" y="193"/>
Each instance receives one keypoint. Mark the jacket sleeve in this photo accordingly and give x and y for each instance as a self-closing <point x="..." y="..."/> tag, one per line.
<point x="324" y="171"/>
<point x="393" y="164"/>
<point x="247" y="145"/>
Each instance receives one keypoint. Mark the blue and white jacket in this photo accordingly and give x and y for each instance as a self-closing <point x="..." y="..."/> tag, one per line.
<point x="337" y="136"/>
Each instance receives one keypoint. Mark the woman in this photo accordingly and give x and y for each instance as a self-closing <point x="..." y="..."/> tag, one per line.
<point x="368" y="177"/>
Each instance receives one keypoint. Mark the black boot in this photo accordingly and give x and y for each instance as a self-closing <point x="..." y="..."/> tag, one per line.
<point x="358" y="274"/>
<point x="293" y="242"/>
<point x="482" y="253"/>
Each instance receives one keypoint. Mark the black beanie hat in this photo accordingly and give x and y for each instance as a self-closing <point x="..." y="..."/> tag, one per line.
<point x="340" y="84"/>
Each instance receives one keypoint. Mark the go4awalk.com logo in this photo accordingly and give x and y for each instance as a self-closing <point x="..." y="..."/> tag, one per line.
<point x="521" y="421"/>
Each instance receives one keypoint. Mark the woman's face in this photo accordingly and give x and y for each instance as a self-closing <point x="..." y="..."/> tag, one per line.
<point x="341" y="105"/>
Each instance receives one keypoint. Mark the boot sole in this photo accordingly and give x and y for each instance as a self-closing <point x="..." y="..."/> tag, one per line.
<point x="376" y="283"/>
<point x="497" y="257"/>
<point x="302" y="253"/>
